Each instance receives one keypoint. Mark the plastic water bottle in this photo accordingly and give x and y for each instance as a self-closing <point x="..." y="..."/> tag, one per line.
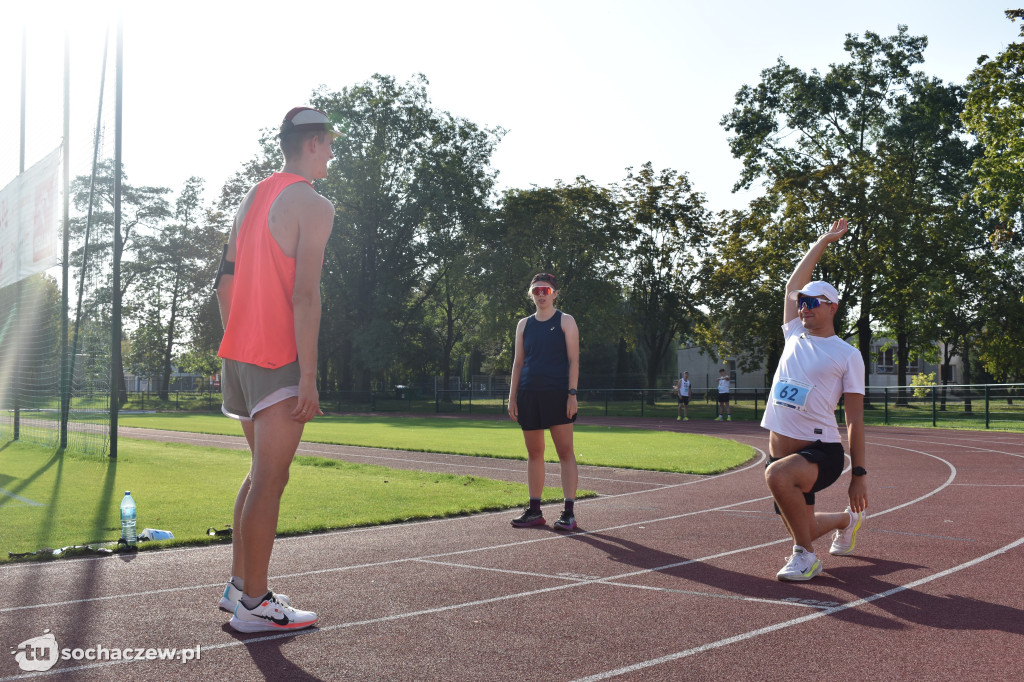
<point x="128" y="519"/>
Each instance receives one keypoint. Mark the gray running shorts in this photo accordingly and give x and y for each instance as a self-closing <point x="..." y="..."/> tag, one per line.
<point x="247" y="388"/>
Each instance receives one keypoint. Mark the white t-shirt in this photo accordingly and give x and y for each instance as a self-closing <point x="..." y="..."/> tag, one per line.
<point x="684" y="388"/>
<point x="723" y="385"/>
<point x="813" y="374"/>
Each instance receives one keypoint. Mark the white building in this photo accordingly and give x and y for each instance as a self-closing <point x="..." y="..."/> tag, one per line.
<point x="883" y="371"/>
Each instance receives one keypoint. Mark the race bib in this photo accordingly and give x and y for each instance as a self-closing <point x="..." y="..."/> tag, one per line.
<point x="792" y="393"/>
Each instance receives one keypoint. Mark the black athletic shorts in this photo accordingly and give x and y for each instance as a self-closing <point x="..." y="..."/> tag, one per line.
<point x="684" y="400"/>
<point x="830" y="459"/>
<point x="723" y="397"/>
<point x="542" y="409"/>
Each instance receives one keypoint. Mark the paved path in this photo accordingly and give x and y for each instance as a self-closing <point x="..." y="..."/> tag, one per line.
<point x="671" y="577"/>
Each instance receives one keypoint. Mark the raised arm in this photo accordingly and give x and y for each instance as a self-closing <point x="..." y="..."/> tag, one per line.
<point x="805" y="268"/>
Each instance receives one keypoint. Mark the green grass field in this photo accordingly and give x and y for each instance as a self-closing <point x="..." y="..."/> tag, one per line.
<point x="55" y="500"/>
<point x="595" y="445"/>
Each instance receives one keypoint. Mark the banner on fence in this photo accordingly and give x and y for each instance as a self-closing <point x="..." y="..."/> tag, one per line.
<point x="29" y="222"/>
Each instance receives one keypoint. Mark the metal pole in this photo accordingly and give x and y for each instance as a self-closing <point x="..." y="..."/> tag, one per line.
<point x="934" y="408"/>
<point x="16" y="373"/>
<point x="65" y="366"/>
<point x="115" y="313"/>
<point x="987" y="415"/>
<point x="885" y="391"/>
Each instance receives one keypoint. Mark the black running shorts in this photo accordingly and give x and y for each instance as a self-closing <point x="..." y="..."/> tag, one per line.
<point x="542" y="409"/>
<point x="830" y="459"/>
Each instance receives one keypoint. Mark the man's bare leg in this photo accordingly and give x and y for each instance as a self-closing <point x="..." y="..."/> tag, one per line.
<point x="237" y="567"/>
<point x="276" y="438"/>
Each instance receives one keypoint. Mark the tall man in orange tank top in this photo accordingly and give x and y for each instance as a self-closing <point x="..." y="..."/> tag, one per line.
<point x="268" y="288"/>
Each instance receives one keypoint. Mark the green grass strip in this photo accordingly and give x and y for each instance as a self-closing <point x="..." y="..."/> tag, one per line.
<point x="57" y="500"/>
<point x="594" y="445"/>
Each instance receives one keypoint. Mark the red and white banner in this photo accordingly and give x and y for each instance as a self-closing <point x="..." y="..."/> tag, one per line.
<point x="30" y="221"/>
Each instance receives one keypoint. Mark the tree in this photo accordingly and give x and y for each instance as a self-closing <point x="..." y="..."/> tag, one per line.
<point x="995" y="114"/>
<point x="671" y="226"/>
<point x="740" y="285"/>
<point x="573" y="231"/>
<point x="143" y="209"/>
<point x="456" y="186"/>
<point x="923" y="165"/>
<point x="838" y="145"/>
<point x="399" y="169"/>
<point x="184" y="258"/>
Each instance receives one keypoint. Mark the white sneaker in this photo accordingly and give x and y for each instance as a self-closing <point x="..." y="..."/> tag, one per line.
<point x="802" y="565"/>
<point x="846" y="538"/>
<point x="232" y="594"/>
<point x="270" y="615"/>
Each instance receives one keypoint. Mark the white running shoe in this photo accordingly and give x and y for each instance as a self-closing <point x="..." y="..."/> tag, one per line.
<point x="846" y="538"/>
<point x="270" y="615"/>
<point x="802" y="565"/>
<point x="232" y="594"/>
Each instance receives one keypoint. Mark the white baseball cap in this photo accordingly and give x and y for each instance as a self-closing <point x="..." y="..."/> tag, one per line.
<point x="817" y="288"/>
<point x="302" y="119"/>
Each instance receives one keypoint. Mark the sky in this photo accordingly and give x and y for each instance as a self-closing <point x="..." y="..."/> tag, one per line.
<point x="582" y="88"/>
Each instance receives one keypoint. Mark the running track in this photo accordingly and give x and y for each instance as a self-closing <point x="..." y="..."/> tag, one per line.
<point x="670" y="578"/>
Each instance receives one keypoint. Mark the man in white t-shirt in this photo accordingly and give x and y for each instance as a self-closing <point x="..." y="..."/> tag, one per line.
<point x="806" y="452"/>
<point x="682" y="388"/>
<point x="724" y="408"/>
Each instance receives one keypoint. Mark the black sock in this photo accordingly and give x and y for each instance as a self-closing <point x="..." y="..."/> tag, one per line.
<point x="570" y="505"/>
<point x="535" y="504"/>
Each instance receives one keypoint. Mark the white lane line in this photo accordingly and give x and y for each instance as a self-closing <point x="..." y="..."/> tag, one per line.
<point x="948" y="443"/>
<point x="797" y="621"/>
<point x="19" y="498"/>
<point x="599" y="676"/>
<point x="606" y="580"/>
<point x="520" y="543"/>
<point x="613" y="581"/>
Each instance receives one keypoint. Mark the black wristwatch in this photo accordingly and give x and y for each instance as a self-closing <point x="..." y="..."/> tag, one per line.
<point x="859" y="471"/>
<point x="572" y="391"/>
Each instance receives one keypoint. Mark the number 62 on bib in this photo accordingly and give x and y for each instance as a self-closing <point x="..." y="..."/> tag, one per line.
<point x="792" y="393"/>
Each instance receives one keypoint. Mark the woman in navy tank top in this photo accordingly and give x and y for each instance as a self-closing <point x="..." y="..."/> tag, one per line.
<point x="543" y="396"/>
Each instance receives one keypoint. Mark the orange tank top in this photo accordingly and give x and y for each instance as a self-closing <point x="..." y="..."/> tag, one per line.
<point x="261" y="323"/>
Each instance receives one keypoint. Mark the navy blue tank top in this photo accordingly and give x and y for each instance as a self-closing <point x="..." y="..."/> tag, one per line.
<point x="546" y="365"/>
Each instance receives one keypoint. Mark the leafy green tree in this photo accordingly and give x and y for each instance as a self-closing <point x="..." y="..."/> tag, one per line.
<point x="999" y="342"/>
<point x="995" y="114"/>
<point x="456" y="191"/>
<point x="670" y="229"/>
<point x="143" y="347"/>
<point x="853" y="142"/>
<point x="740" y="284"/>
<point x="400" y="170"/>
<point x="923" y="166"/>
<point x="143" y="211"/>
<point x="575" y="232"/>
<point x="184" y="257"/>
